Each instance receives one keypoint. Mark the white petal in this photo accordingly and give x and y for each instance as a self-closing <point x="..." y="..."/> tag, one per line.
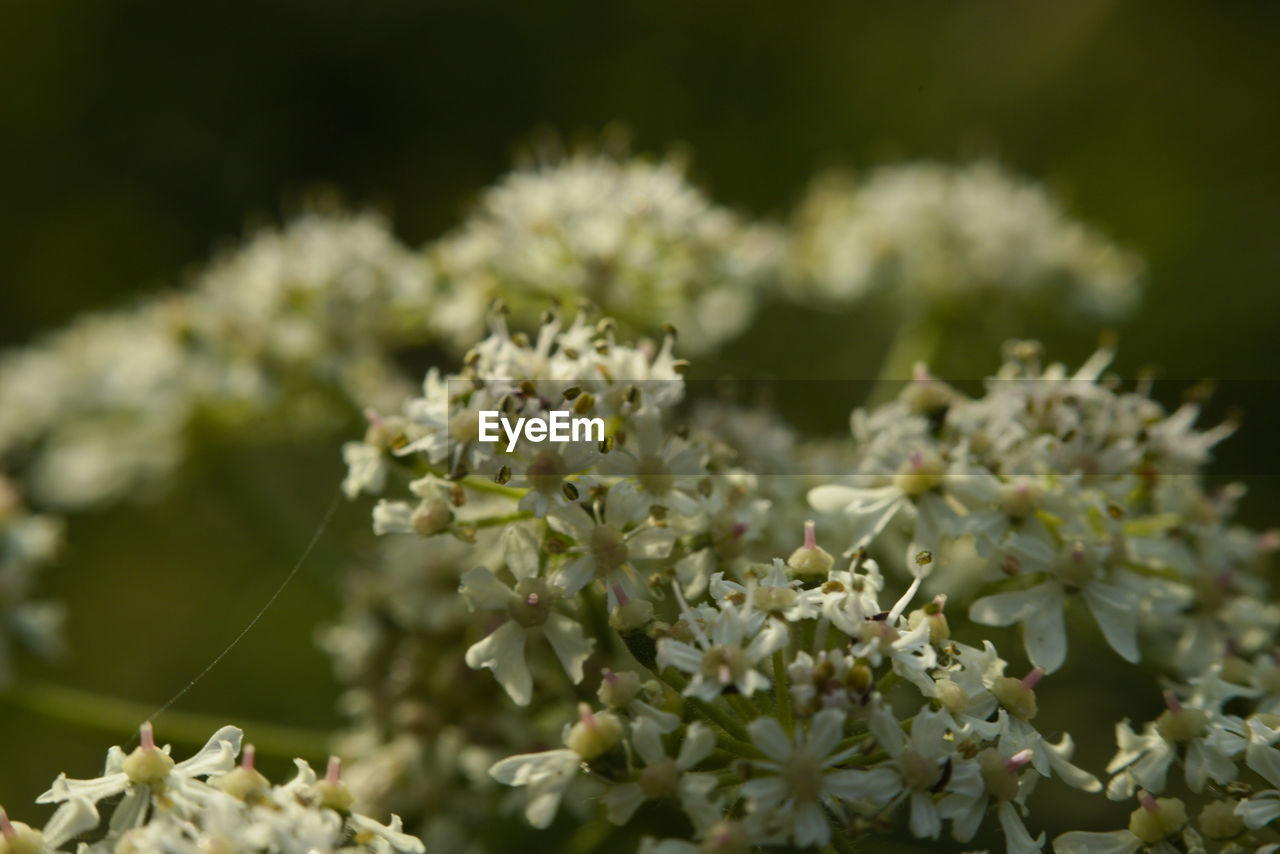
<point x="520" y="550"/>
<point x="925" y="821"/>
<point x="1016" y="838"/>
<point x="650" y="543"/>
<point x="825" y="731"/>
<point x="768" y="735"/>
<point x="1116" y="611"/>
<point x="503" y="653"/>
<point x="647" y="741"/>
<point x="216" y="756"/>
<point x="481" y="588"/>
<point x="1080" y="842"/>
<point x="699" y="741"/>
<point x="621" y="802"/>
<point x="566" y="639"/>
<point x="812" y="828"/>
<point x="70" y="820"/>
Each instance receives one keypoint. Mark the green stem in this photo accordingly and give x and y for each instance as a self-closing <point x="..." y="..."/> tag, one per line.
<point x="719" y="717"/>
<point x="841" y="843"/>
<point x="782" y="692"/>
<point x="94" y="711"/>
<point x="491" y="521"/>
<point x="916" y="341"/>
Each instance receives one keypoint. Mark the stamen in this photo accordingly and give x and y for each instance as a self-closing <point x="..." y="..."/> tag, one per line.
<point x="584" y="715"/>
<point x="333" y="774"/>
<point x="620" y="594"/>
<point x="1148" y="802"/>
<point x="147" y="736"/>
<point x="5" y="827"/>
<point x="1031" y="679"/>
<point x="609" y="676"/>
<point x="1171" y="700"/>
<point x="246" y="760"/>
<point x="532" y="600"/>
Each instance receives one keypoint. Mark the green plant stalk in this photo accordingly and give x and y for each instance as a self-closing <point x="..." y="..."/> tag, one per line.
<point x="782" y="692"/>
<point x="94" y="711"/>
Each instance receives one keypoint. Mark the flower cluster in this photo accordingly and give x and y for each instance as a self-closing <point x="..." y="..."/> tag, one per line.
<point x="777" y="701"/>
<point x="936" y="237"/>
<point x="204" y="803"/>
<point x="632" y="236"/>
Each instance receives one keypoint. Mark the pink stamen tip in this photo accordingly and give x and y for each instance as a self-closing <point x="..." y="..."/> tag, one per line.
<point x="246" y="760"/>
<point x="1019" y="759"/>
<point x="1171" y="700"/>
<point x="609" y="676"/>
<point x="5" y="827"/>
<point x="147" y="736"/>
<point x="810" y="535"/>
<point x="622" y="597"/>
<point x="940" y="600"/>
<point x="1033" y="678"/>
<point x="373" y="417"/>
<point x="1148" y="802"/>
<point x="584" y="715"/>
<point x="334" y="772"/>
<point x="917" y="459"/>
<point x="739" y="529"/>
<point x="1022" y="489"/>
<point x="532" y="600"/>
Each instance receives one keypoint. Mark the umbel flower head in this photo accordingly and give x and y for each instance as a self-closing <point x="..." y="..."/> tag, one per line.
<point x="205" y="802"/>
<point x="632" y="236"/>
<point x="937" y="237"/>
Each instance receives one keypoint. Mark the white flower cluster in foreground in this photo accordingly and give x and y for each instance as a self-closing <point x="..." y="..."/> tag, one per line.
<point x="933" y="237"/>
<point x="204" y="803"/>
<point x="783" y="697"/>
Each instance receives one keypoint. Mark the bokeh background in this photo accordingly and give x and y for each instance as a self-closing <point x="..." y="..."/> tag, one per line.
<point x="138" y="137"/>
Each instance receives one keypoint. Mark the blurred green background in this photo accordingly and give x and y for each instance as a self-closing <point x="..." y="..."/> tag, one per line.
<point x="138" y="137"/>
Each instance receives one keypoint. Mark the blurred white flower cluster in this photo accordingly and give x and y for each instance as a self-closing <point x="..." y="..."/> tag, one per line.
<point x="632" y="237"/>
<point x="935" y="238"/>
<point x="204" y="803"/>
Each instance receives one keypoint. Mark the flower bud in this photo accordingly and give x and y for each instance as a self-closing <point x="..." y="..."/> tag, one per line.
<point x="594" y="734"/>
<point x="332" y="792"/>
<point x="1157" y="818"/>
<point x="432" y="517"/>
<point x="147" y="765"/>
<point x="618" y="689"/>
<point x="810" y="560"/>
<point x="952" y="697"/>
<point x="920" y="473"/>
<point x="1218" y="820"/>
<point x="244" y="781"/>
<point x="1017" y="696"/>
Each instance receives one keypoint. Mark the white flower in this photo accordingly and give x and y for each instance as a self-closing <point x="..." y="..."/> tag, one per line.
<point x="530" y="604"/>
<point x="663" y="776"/>
<point x="728" y="656"/>
<point x="801" y="778"/>
<point x="1211" y="740"/>
<point x="1039" y="608"/>
<point x="548" y="774"/>
<point x="609" y="540"/>
<point x="149" y="768"/>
